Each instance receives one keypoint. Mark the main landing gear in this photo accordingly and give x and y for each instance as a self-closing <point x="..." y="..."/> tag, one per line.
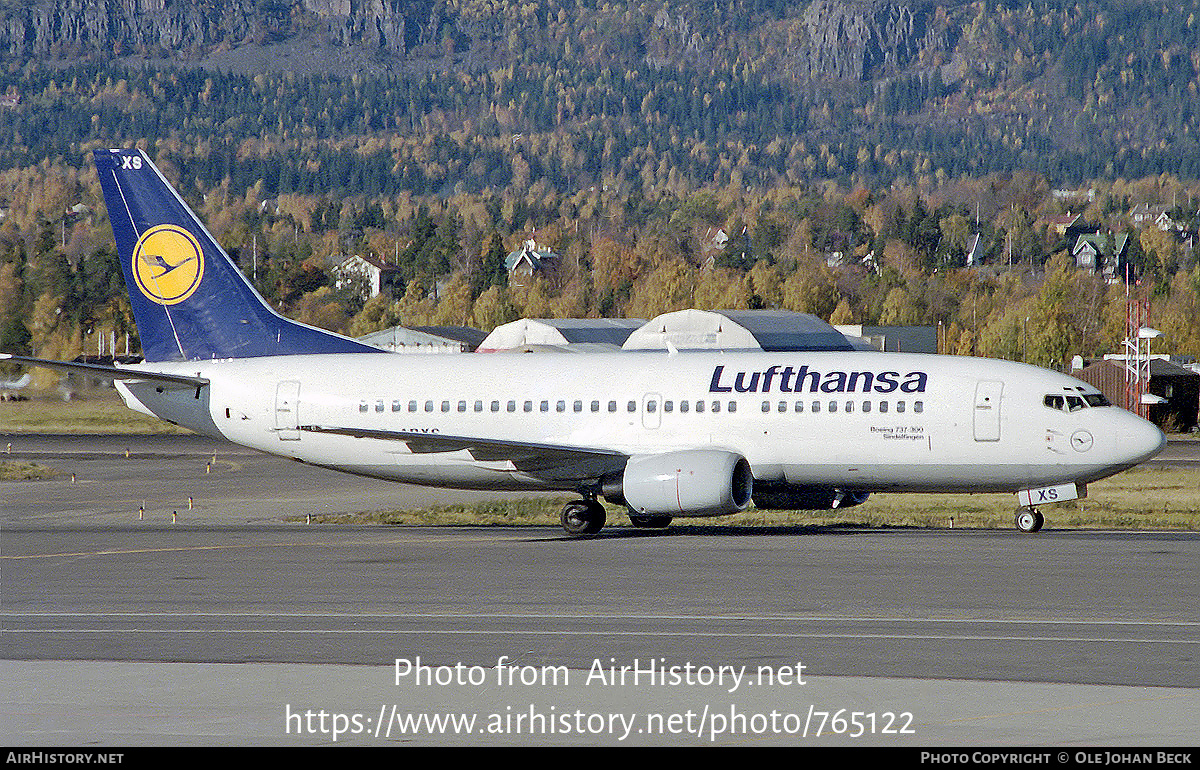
<point x="583" y="517"/>
<point x="586" y="517"/>
<point x="1029" y="519"/>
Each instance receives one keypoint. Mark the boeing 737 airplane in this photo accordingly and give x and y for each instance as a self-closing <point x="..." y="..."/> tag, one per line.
<point x="667" y="434"/>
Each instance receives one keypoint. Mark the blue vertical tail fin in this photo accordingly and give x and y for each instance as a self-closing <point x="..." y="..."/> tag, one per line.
<point x="189" y="300"/>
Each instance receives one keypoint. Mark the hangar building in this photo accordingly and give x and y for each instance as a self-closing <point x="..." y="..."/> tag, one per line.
<point x="769" y="330"/>
<point x="1179" y="387"/>
<point x="426" y="339"/>
<point x="572" y="334"/>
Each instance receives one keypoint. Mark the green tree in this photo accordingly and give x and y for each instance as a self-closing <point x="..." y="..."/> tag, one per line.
<point x="493" y="270"/>
<point x="15" y="339"/>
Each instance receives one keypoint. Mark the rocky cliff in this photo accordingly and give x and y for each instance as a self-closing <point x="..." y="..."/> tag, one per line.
<point x="378" y="24"/>
<point x="63" y="29"/>
<point x="866" y="39"/>
<point x="837" y="39"/>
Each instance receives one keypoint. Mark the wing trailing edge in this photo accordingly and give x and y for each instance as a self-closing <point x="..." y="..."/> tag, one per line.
<point x="525" y="456"/>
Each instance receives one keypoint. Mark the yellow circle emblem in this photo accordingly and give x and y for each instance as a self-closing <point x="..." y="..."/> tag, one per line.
<point x="167" y="264"/>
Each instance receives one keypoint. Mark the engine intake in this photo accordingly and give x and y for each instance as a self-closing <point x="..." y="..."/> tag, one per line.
<point x="693" y="482"/>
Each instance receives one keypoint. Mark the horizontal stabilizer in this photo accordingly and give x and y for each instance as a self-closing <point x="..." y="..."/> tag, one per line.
<point x="111" y="372"/>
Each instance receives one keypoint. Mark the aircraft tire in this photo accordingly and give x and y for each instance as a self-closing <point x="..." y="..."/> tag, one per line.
<point x="582" y="517"/>
<point x="1029" y="519"/>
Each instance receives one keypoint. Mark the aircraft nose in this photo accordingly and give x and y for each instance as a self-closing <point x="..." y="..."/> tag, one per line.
<point x="1140" y="439"/>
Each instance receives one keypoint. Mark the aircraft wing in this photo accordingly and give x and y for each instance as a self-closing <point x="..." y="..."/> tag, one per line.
<point x="525" y="456"/>
<point x="111" y="372"/>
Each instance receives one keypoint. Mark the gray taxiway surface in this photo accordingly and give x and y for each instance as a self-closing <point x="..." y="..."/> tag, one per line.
<point x="231" y="627"/>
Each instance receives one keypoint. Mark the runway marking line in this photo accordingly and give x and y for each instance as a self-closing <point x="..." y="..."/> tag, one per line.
<point x="641" y="634"/>
<point x="619" y="616"/>
<point x="233" y="546"/>
<point x="551" y="632"/>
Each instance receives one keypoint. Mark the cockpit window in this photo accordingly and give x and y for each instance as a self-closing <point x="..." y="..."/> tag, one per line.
<point x="1072" y="403"/>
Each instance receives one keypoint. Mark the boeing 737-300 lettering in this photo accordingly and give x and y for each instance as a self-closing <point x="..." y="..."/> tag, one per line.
<point x="666" y="434"/>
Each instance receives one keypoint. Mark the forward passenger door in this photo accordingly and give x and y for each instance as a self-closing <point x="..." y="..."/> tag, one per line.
<point x="987" y="410"/>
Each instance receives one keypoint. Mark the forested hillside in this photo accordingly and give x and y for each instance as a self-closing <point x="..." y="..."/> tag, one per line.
<point x="863" y="91"/>
<point x="849" y="148"/>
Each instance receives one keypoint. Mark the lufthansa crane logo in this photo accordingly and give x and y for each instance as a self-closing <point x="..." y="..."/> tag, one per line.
<point x="1081" y="441"/>
<point x="167" y="264"/>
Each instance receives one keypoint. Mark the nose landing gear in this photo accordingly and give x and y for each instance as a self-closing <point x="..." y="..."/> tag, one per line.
<point x="1029" y="519"/>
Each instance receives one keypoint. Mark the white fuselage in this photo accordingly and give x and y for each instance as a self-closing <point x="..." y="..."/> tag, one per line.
<point x="856" y="420"/>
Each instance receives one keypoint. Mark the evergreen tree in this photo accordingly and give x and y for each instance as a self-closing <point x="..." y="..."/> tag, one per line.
<point x="493" y="271"/>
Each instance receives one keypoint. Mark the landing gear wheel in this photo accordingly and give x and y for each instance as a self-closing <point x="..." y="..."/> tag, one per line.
<point x="650" y="522"/>
<point x="1029" y="519"/>
<point x="582" y="517"/>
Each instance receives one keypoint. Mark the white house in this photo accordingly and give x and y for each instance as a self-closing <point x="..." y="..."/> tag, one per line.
<point x="378" y="275"/>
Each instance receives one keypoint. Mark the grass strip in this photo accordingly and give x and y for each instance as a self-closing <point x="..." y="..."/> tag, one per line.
<point x="1142" y="498"/>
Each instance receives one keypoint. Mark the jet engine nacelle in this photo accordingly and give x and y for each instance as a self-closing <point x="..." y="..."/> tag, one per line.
<point x="790" y="497"/>
<point x="693" y="482"/>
